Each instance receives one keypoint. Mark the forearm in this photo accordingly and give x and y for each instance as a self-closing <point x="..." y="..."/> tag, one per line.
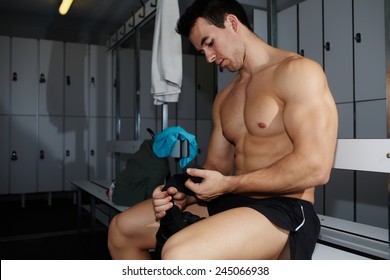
<point x="293" y="173"/>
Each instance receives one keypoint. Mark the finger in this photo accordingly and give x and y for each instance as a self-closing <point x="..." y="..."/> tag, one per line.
<point x="160" y="211"/>
<point x="172" y="190"/>
<point x="162" y="208"/>
<point x="160" y="215"/>
<point x="196" y="172"/>
<point x="161" y="201"/>
<point x="191" y="185"/>
<point x="158" y="193"/>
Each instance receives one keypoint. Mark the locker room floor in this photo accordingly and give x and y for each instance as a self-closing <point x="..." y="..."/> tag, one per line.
<point x="42" y="232"/>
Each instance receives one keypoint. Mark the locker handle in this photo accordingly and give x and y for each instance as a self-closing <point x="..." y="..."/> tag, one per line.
<point x="92" y="152"/>
<point x="14" y="155"/>
<point x="67" y="153"/>
<point x="68" y="80"/>
<point x="93" y="82"/>
<point x="14" y="76"/>
<point x="153" y="5"/>
<point x="42" y="154"/>
<point x="42" y="79"/>
<point x="302" y="52"/>
<point x="327" y="46"/>
<point x="358" y="38"/>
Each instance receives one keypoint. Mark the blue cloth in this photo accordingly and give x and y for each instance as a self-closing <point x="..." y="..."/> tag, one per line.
<point x="166" y="139"/>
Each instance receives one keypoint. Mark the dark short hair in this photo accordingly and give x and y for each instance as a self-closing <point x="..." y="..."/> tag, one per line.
<point x="214" y="11"/>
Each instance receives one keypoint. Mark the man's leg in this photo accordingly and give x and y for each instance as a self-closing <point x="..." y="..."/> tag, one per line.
<point x="240" y="233"/>
<point x="132" y="232"/>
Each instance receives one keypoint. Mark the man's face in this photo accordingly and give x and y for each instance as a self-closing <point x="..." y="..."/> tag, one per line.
<point x="219" y="45"/>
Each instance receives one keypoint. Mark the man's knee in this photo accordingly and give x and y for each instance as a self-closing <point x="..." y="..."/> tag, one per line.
<point x="113" y="234"/>
<point x="172" y="251"/>
<point x="177" y="249"/>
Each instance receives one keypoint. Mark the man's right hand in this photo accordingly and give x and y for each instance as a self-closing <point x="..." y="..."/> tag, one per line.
<point x="162" y="200"/>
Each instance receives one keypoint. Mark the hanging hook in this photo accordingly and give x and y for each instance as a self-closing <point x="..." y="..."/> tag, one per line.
<point x="131" y="24"/>
<point x="143" y="9"/>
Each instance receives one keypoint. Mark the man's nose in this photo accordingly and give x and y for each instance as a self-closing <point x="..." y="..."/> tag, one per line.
<point x="210" y="57"/>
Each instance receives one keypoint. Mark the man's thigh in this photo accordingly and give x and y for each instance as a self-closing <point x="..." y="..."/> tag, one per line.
<point x="135" y="227"/>
<point x="240" y="233"/>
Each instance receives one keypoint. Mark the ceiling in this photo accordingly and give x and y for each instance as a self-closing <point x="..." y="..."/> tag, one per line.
<point x="88" y="21"/>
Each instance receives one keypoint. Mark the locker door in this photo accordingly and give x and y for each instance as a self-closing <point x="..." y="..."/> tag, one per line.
<point x="23" y="158"/>
<point x="76" y="147"/>
<point x="24" y="86"/>
<point x="186" y="105"/>
<point x="371" y="187"/>
<point x="51" y="78"/>
<point x="205" y="73"/>
<point x="76" y="75"/>
<point x="287" y="28"/>
<point x="338" y="48"/>
<point x="147" y="108"/>
<point x="100" y="88"/>
<point x="126" y="82"/>
<point x="51" y="145"/>
<point x="260" y="23"/>
<point x="4" y="154"/>
<point x="339" y="192"/>
<point x="5" y="82"/>
<point x="310" y="30"/>
<point x="100" y="159"/>
<point x="370" y="54"/>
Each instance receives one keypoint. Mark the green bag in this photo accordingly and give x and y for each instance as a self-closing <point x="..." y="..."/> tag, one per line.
<point x="144" y="171"/>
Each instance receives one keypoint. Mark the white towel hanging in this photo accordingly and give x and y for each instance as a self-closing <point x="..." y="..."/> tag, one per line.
<point x="167" y="69"/>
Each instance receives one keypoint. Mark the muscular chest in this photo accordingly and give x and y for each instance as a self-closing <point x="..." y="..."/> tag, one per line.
<point x="252" y="109"/>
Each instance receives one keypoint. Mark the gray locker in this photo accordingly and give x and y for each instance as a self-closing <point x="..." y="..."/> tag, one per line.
<point x="100" y="88"/>
<point x="287" y="29"/>
<point x="24" y="72"/>
<point x="100" y="159"/>
<point x="260" y="23"/>
<point x="76" y="76"/>
<point x="4" y="154"/>
<point x="371" y="119"/>
<point x="310" y="30"/>
<point x="51" y="78"/>
<point x="5" y="75"/>
<point x="205" y="90"/>
<point x="23" y="147"/>
<point x="372" y="199"/>
<point x="338" y="48"/>
<point x="147" y="108"/>
<point x="339" y="195"/>
<point x="186" y="108"/>
<point x="126" y="81"/>
<point x="346" y="120"/>
<point x="50" y="153"/>
<point x="76" y="150"/>
<point x="370" y="54"/>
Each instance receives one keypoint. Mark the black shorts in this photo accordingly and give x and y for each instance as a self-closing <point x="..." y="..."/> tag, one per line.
<point x="296" y="215"/>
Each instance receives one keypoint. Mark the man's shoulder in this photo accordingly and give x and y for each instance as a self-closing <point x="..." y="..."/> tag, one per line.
<point x="295" y="65"/>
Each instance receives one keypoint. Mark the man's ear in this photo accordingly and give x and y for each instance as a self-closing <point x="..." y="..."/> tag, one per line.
<point x="232" y="21"/>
